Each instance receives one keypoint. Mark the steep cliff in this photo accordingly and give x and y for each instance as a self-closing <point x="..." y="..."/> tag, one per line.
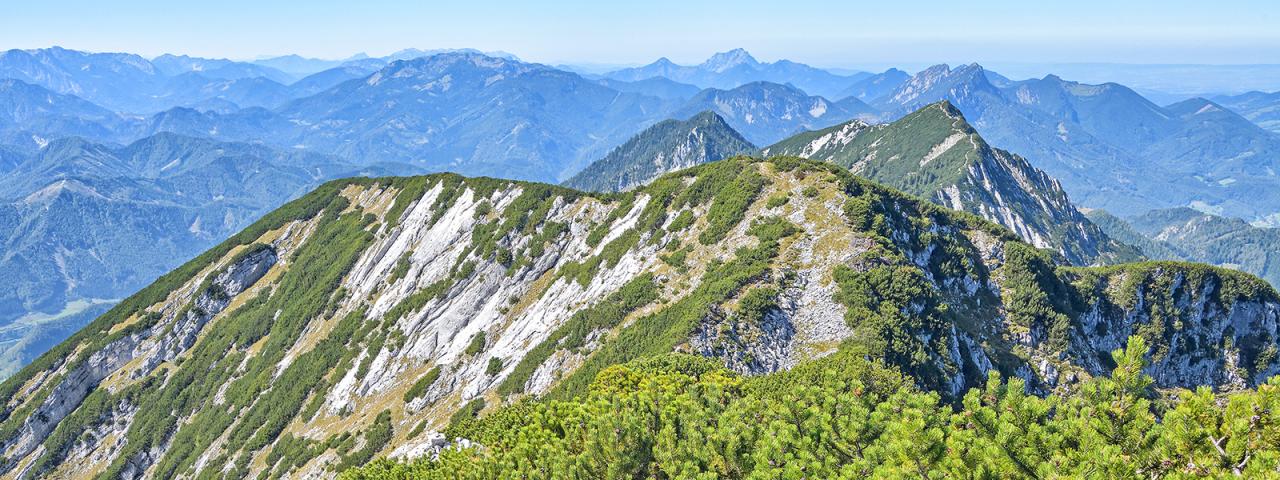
<point x="365" y="317"/>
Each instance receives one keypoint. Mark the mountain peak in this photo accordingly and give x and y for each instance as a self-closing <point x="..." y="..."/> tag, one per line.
<point x="941" y="82"/>
<point x="725" y="60"/>
<point x="949" y="109"/>
<point x="936" y="70"/>
<point x="666" y="146"/>
<point x="934" y="153"/>
<point x="707" y="117"/>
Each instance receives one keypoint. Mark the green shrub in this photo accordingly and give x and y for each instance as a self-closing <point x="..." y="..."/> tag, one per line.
<point x="494" y="367"/>
<point x="842" y="416"/>
<point x="420" y="387"/>
<point x="477" y="344"/>
<point x="778" y="200"/>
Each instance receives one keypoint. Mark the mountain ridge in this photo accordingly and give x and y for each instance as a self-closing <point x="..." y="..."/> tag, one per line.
<point x="734" y="68"/>
<point x="330" y="315"/>
<point x="667" y="145"/>
<point x="936" y="154"/>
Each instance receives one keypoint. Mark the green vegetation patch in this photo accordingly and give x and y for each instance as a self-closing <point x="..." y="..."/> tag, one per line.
<point x="424" y="382"/>
<point x="677" y="416"/>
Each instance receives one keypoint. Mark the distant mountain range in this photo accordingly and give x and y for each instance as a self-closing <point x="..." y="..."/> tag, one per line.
<point x="460" y="111"/>
<point x="666" y="146"/>
<point x="300" y="66"/>
<point x="660" y="87"/>
<point x="766" y="112"/>
<point x="130" y="83"/>
<point x="734" y="68"/>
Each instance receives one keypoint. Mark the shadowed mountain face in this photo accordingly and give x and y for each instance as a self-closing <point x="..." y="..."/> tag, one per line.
<point x="936" y="154"/>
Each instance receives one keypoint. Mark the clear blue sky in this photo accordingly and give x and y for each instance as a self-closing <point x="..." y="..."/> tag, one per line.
<point x="835" y="33"/>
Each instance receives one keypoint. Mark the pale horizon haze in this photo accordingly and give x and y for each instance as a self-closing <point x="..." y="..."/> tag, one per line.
<point x="829" y="34"/>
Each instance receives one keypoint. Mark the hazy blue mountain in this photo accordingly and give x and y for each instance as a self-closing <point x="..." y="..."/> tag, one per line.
<point x="438" y="111"/>
<point x="875" y="86"/>
<point x="934" y="153"/>
<point x="30" y="116"/>
<point x="1109" y="112"/>
<point x="10" y="158"/>
<point x="1188" y="234"/>
<point x="998" y="79"/>
<point x="247" y="125"/>
<point x="117" y="81"/>
<point x="1178" y="81"/>
<point x="129" y="83"/>
<point x="666" y="146"/>
<point x="175" y="65"/>
<point x="731" y="69"/>
<point x="660" y="87"/>
<point x="1110" y="147"/>
<point x="194" y="90"/>
<point x="301" y="66"/>
<point x="1259" y="107"/>
<point x="473" y="114"/>
<point x="935" y="83"/>
<point x="765" y="112"/>
<point x="326" y="79"/>
<point x="83" y="222"/>
<point x="412" y="53"/>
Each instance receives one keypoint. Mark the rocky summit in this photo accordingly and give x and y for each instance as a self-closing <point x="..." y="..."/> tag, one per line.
<point x="936" y="154"/>
<point x="367" y="317"/>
